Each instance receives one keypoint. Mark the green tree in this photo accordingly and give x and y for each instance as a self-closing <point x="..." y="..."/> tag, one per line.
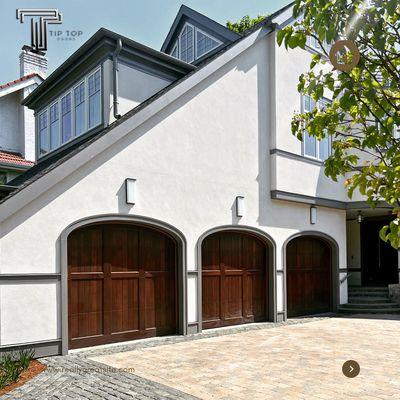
<point x="364" y="115"/>
<point x="244" y="24"/>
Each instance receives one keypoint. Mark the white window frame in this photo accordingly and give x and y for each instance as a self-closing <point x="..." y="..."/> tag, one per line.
<point x="209" y="36"/>
<point x="303" y="149"/>
<point x="176" y="46"/>
<point x="317" y="49"/>
<point x="194" y="42"/>
<point x="70" y="91"/>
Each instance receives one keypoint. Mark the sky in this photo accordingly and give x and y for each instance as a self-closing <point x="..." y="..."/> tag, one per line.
<point x="146" y="21"/>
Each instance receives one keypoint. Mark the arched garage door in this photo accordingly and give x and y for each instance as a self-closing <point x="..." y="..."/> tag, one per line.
<point x="234" y="279"/>
<point x="121" y="284"/>
<point x="309" y="276"/>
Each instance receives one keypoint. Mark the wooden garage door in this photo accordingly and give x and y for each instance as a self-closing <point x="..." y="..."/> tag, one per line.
<point x="121" y="284"/>
<point x="234" y="279"/>
<point x="308" y="269"/>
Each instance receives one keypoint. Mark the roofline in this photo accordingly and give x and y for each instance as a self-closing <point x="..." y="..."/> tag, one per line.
<point x="102" y="33"/>
<point x="15" y="167"/>
<point x="136" y="117"/>
<point x="20" y="84"/>
<point x="33" y="186"/>
<point x="203" y="19"/>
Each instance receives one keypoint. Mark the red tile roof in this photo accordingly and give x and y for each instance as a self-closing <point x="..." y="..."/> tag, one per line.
<point x="14" y="159"/>
<point x="24" y="78"/>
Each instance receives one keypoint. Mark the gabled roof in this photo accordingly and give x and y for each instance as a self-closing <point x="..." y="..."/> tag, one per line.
<point x="187" y="14"/>
<point x="100" y="45"/>
<point x="12" y="83"/>
<point x="40" y="170"/>
<point x="20" y="83"/>
<point x="14" y="160"/>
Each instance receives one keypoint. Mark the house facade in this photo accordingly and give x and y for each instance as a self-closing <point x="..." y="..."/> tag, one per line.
<point x="170" y="197"/>
<point x="17" y="123"/>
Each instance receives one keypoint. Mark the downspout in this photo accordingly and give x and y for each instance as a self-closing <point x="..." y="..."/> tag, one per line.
<point x="115" y="79"/>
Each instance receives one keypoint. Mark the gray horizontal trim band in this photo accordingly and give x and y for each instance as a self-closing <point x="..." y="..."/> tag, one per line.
<point x="301" y="198"/>
<point x="295" y="156"/>
<point x="343" y="270"/>
<point x="194" y="272"/>
<point x="28" y="277"/>
<point x="356" y="205"/>
<point x="44" y="348"/>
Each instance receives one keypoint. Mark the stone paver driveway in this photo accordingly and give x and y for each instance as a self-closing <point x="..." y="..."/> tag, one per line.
<point x="302" y="361"/>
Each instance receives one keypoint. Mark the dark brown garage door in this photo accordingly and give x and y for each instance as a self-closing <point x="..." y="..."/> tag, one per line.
<point x="308" y="269"/>
<point x="121" y="284"/>
<point x="234" y="279"/>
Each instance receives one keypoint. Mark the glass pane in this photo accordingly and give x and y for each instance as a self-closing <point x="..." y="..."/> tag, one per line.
<point x="204" y="44"/>
<point x="66" y="118"/>
<point x="187" y="44"/>
<point x="66" y="127"/>
<point x="94" y="110"/>
<point x="94" y="83"/>
<point x="79" y="119"/>
<point x="54" y="127"/>
<point x="324" y="148"/>
<point x="309" y="145"/>
<point x="55" y="134"/>
<point x="79" y="93"/>
<point x="43" y="134"/>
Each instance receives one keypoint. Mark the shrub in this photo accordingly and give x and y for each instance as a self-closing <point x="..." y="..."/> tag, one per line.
<point x="12" y="366"/>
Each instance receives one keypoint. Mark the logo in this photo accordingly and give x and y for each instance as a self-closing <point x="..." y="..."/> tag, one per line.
<point x="350" y="48"/>
<point x="46" y="17"/>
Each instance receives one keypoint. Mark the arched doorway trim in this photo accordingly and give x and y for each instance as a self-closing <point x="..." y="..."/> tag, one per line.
<point x="134" y="219"/>
<point x="335" y="265"/>
<point x="271" y="261"/>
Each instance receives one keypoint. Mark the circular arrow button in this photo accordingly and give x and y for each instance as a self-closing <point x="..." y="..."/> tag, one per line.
<point x="351" y="368"/>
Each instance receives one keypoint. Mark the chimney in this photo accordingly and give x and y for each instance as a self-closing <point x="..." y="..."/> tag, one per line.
<point x="32" y="62"/>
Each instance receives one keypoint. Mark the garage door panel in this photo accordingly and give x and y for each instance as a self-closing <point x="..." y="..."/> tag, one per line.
<point x="233" y="279"/>
<point x="233" y="293"/>
<point x="85" y="251"/>
<point x="125" y="305"/>
<point x="86" y="311"/>
<point x="211" y="297"/>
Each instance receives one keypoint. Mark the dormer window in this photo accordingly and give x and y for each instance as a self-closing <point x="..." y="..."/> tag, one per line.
<point x="193" y="43"/>
<point x="73" y="114"/>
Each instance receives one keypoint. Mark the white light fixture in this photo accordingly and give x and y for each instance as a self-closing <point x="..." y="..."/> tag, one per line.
<point x="313" y="215"/>
<point x="359" y="217"/>
<point x="130" y="190"/>
<point x="239" y="206"/>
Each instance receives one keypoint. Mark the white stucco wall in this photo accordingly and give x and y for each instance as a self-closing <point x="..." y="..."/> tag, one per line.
<point x="293" y="175"/>
<point x="190" y="160"/>
<point x="11" y="138"/>
<point x="134" y="87"/>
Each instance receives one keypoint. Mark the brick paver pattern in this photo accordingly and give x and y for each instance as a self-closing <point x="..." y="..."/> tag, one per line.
<point x="302" y="361"/>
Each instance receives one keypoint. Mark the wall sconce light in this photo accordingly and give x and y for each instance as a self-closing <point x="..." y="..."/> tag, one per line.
<point x="130" y="190"/>
<point x="239" y="206"/>
<point x="313" y="215"/>
<point x="359" y="217"/>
